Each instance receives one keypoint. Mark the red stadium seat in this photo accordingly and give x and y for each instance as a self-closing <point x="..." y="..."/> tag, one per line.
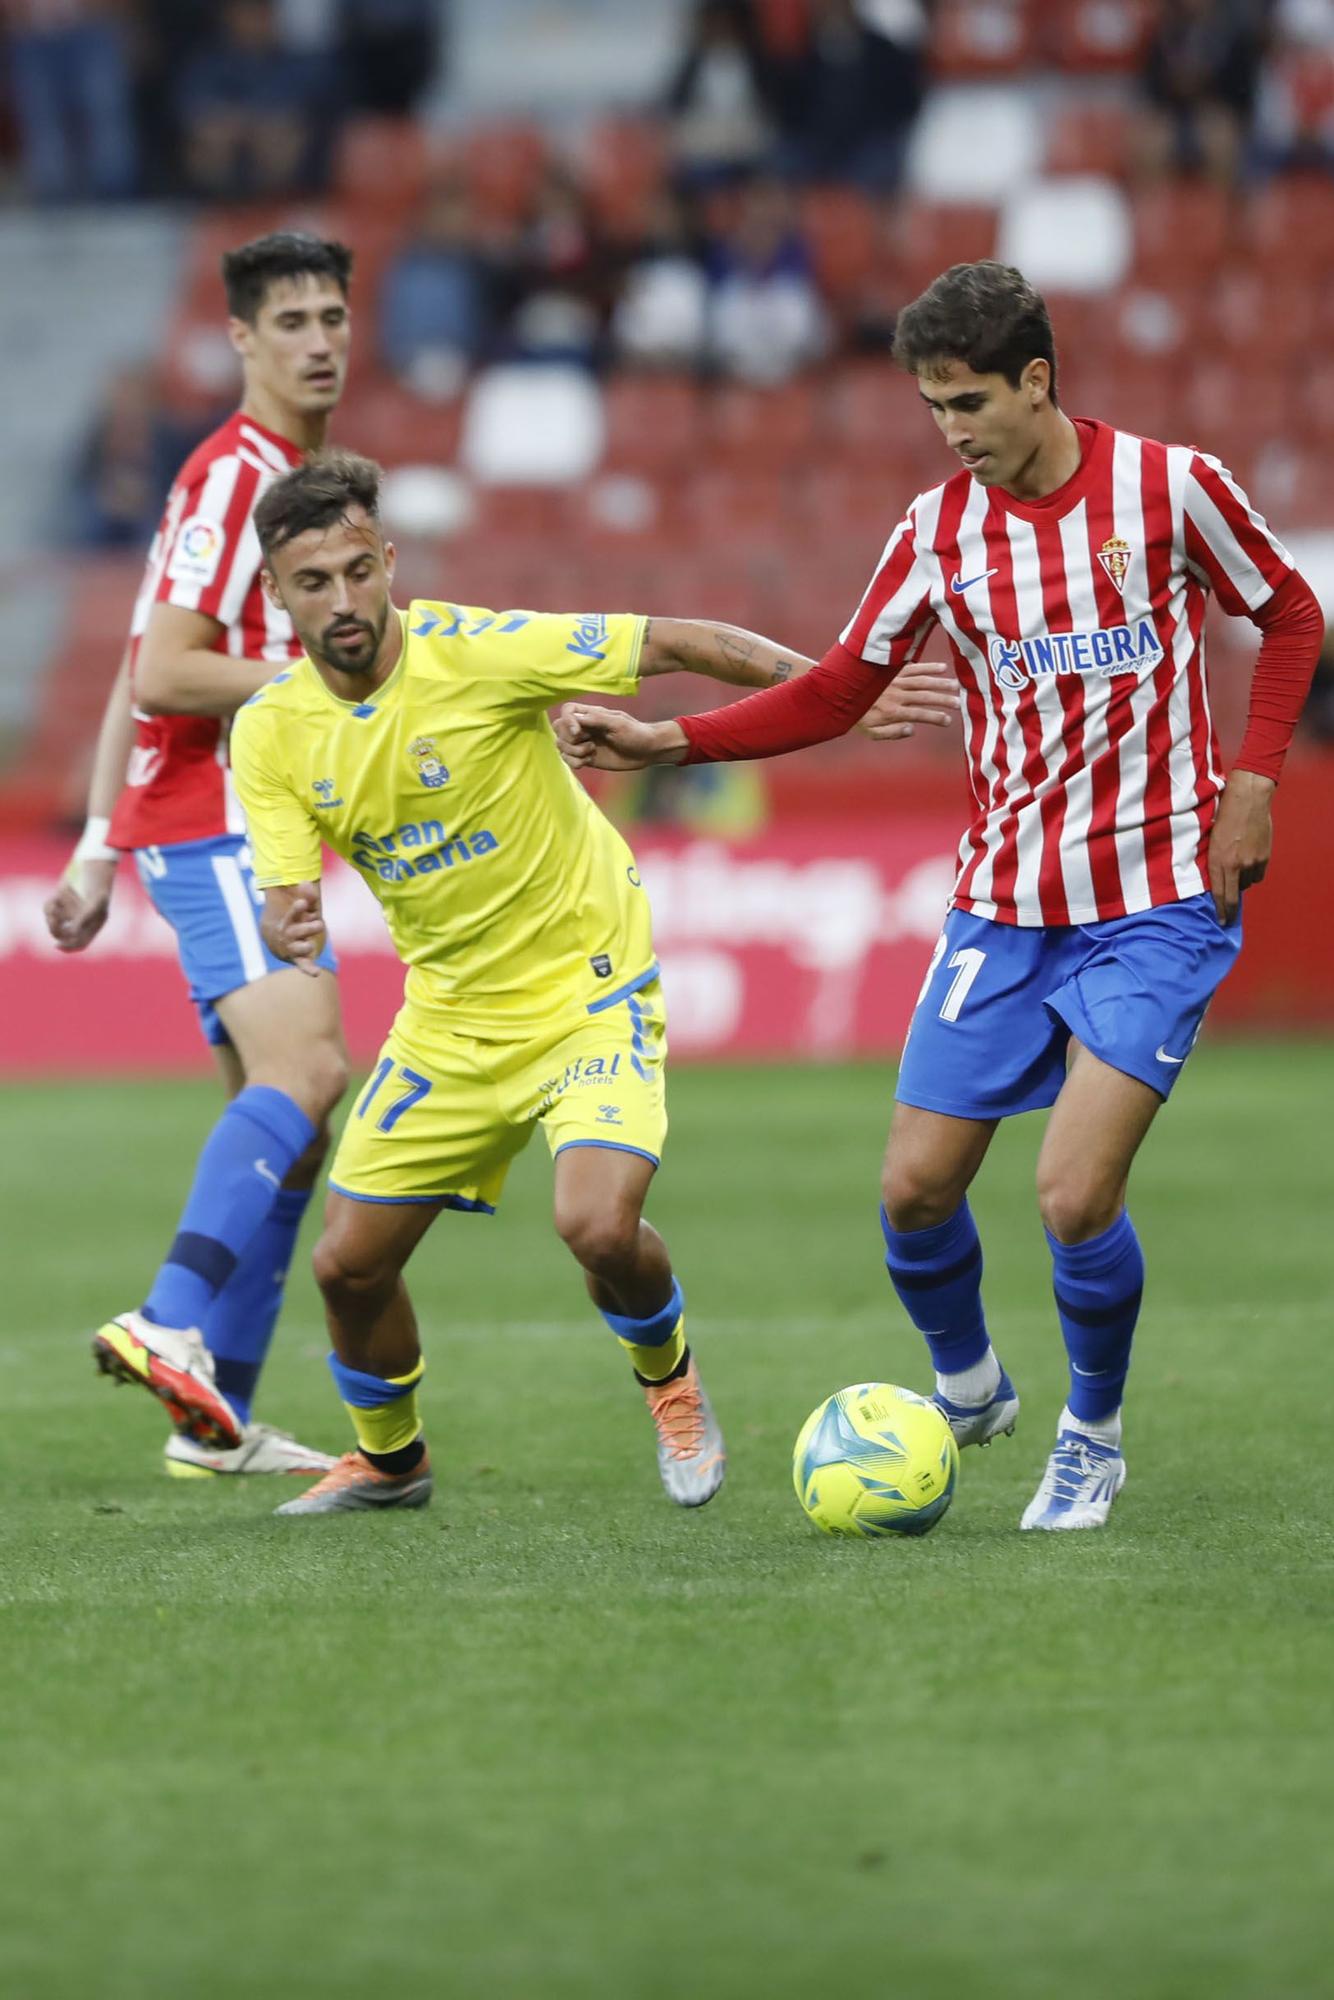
<point x="1184" y="230"/>
<point x="387" y="422"/>
<point x="1105" y="36"/>
<point x="654" y="423"/>
<point x="979" y="38"/>
<point x="504" y="164"/>
<point x="622" y="164"/>
<point x="847" y="238"/>
<point x="927" y="237"/>
<point x="1090" y="138"/>
<point x="736" y="509"/>
<point x="1288" y="226"/>
<point x="766" y="429"/>
<point x="384" y="164"/>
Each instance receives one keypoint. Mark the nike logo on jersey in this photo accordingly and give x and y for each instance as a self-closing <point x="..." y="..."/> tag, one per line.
<point x="1162" y="1055"/>
<point x="958" y="585"/>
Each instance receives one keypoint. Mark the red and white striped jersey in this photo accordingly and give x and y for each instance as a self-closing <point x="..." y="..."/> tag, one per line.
<point x="1076" y="624"/>
<point x="205" y="557"/>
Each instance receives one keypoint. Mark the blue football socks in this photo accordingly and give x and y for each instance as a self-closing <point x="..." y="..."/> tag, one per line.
<point x="245" y="1160"/>
<point x="1098" y="1287"/>
<point x="240" y="1322"/>
<point x="937" y="1274"/>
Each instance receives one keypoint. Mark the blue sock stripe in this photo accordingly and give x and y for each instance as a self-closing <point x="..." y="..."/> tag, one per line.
<point x="204" y="1255"/>
<point x="937" y="1273"/>
<point x="1099" y="1286"/>
<point x="237" y="1179"/>
<point x="917" y="1280"/>
<point x="366" y="1392"/>
<point x="655" y="1331"/>
<point x="1110" y="1315"/>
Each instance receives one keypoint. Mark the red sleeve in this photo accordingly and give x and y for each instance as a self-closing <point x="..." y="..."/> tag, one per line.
<point x="1293" y="628"/>
<point x="815" y="708"/>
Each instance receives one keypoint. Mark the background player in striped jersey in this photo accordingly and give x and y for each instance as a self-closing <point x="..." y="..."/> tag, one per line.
<point x="203" y="639"/>
<point x="1097" y="905"/>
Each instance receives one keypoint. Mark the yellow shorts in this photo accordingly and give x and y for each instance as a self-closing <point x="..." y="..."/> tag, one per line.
<point x="443" y="1115"/>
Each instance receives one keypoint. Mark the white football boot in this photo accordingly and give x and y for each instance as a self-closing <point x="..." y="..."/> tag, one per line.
<point x="1082" y="1479"/>
<point x="262" y="1450"/>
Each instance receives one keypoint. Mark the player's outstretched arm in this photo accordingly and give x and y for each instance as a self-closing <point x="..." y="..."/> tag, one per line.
<point x="179" y="672"/>
<point x="722" y="652"/>
<point x="292" y="925"/>
<point x="78" y="909"/>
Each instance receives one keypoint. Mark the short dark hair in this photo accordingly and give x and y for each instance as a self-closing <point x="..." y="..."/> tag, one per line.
<point x="315" y="495"/>
<point x="248" y="271"/>
<point x="986" y="315"/>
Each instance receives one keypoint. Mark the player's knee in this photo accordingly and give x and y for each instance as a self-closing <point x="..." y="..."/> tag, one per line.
<point x="915" y="1197"/>
<point x="326" y="1077"/>
<point x="1075" y="1208"/>
<point x="601" y="1239"/>
<point x="349" y="1272"/>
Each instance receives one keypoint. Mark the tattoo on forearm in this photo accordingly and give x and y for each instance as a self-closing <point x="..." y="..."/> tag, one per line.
<point x="735" y="650"/>
<point x="782" y="671"/>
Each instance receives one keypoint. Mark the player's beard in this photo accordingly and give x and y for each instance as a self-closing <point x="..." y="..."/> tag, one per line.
<point x="332" y="652"/>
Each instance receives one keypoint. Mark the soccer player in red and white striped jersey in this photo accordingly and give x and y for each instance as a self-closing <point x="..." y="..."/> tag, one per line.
<point x="1067" y="567"/>
<point x="204" y="638"/>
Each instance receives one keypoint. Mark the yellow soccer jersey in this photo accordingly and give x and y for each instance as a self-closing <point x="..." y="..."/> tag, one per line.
<point x="507" y="893"/>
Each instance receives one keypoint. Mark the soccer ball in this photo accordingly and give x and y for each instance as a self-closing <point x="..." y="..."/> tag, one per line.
<point x="875" y="1460"/>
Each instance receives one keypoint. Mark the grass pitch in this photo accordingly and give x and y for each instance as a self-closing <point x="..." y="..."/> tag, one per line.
<point x="554" y="1739"/>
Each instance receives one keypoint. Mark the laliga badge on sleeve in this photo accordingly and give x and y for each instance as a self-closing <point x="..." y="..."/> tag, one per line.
<point x="198" y="551"/>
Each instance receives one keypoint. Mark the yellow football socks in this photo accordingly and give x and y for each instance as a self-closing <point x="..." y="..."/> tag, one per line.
<point x="390" y="1426"/>
<point x="655" y="1364"/>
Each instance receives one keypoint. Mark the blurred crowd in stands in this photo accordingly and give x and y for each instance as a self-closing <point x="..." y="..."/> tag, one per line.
<point x="724" y="258"/>
<point x="232" y="100"/>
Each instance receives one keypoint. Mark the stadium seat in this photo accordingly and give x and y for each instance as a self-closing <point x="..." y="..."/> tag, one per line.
<point x="654" y="422"/>
<point x="1288" y="225"/>
<point x="1069" y="234"/>
<point x="1090" y="136"/>
<point x="847" y="236"/>
<point x="503" y="164"/>
<point x="974" y="143"/>
<point x="765" y="429"/>
<point x="927" y="237"/>
<point x="622" y="165"/>
<point x="383" y="164"/>
<point x="981" y="38"/>
<point x="1184" y="230"/>
<point x="1096" y="36"/>
<point x="388" y="423"/>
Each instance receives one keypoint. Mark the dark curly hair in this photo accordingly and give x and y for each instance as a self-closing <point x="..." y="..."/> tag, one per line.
<point x="986" y="315"/>
<point x="315" y="495"/>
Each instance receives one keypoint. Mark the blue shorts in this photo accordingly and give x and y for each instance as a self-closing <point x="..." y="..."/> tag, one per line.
<point x="206" y="891"/>
<point x="1000" y="1003"/>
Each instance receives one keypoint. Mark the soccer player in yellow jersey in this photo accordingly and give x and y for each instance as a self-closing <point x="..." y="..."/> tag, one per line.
<point x="416" y="744"/>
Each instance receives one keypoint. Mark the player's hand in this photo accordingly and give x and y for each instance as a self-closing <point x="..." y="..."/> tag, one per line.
<point x="78" y="909"/>
<point x="923" y="694"/>
<point x="1241" y="841"/>
<point x="607" y="739"/>
<point x="293" y="926"/>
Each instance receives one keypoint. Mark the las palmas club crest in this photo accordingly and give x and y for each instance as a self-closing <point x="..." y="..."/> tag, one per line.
<point x="430" y="769"/>
<point x="1114" y="555"/>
